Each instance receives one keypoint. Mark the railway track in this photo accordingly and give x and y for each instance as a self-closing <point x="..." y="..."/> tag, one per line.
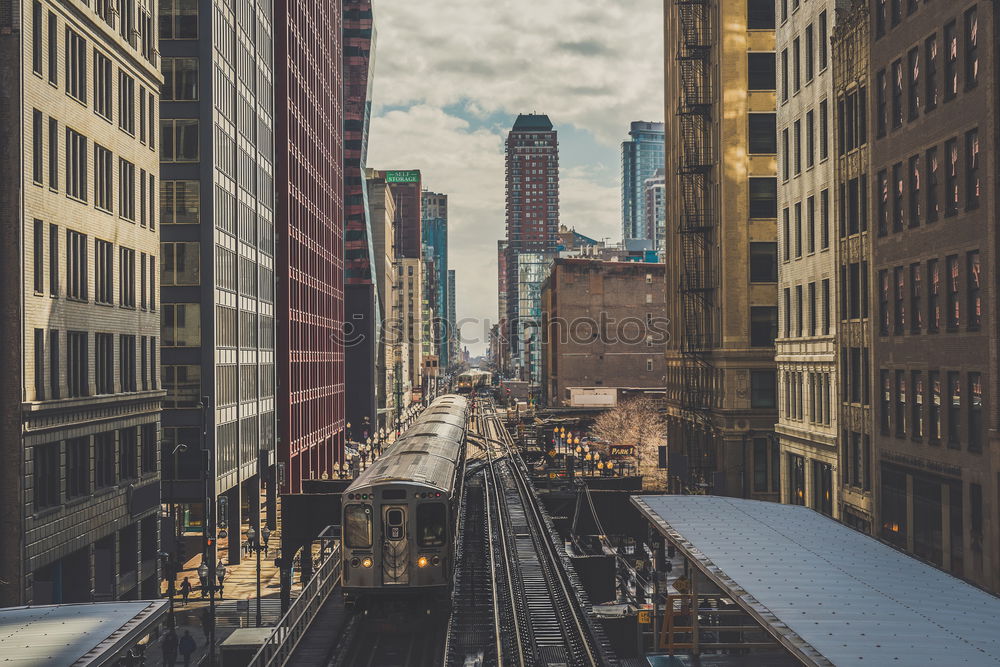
<point x="538" y="613"/>
<point x="397" y="639"/>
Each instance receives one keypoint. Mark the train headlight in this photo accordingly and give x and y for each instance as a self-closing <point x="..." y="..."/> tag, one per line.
<point x="367" y="561"/>
<point x="422" y="561"/>
<point x="355" y="562"/>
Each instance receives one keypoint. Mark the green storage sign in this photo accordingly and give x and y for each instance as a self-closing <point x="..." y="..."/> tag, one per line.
<point x="402" y="177"/>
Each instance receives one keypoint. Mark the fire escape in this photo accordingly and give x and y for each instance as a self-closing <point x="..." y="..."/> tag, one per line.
<point x="697" y="225"/>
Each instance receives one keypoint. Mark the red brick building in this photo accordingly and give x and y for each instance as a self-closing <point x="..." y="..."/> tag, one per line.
<point x="309" y="178"/>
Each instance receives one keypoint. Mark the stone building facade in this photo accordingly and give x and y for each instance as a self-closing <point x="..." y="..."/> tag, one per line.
<point x="807" y="270"/>
<point x="79" y="169"/>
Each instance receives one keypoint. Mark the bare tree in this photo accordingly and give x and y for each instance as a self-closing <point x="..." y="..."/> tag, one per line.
<point x="637" y="422"/>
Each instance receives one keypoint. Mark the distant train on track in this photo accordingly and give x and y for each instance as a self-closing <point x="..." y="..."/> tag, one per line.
<point x="400" y="516"/>
<point x="474" y="379"/>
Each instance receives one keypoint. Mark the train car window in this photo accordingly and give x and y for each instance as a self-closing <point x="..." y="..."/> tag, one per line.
<point x="358" y="527"/>
<point x="394" y="494"/>
<point x="394" y="517"/>
<point x="431" y="518"/>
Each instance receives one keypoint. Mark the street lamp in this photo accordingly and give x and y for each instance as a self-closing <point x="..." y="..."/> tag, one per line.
<point x="175" y="568"/>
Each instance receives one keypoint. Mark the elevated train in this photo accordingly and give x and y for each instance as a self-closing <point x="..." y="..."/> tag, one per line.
<point x="400" y="516"/>
<point x="474" y="379"/>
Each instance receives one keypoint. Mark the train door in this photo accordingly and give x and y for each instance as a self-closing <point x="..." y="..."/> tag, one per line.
<point x="395" y="546"/>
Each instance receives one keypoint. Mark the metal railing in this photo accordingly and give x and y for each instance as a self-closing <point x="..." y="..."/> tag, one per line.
<point x="277" y="650"/>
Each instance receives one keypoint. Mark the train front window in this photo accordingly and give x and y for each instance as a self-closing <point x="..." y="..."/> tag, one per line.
<point x="431" y="518"/>
<point x="358" y="527"/>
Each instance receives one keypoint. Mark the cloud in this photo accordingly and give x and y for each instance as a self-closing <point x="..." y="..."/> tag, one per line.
<point x="450" y="78"/>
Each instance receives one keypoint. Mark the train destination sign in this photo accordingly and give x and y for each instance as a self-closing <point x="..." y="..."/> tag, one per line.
<point x="402" y="177"/>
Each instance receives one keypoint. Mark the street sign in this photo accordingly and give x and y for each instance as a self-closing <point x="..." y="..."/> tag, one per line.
<point x="645" y="617"/>
<point x="622" y="450"/>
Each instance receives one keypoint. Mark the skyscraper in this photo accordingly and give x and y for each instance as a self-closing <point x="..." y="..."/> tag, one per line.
<point x="532" y="184"/>
<point x="452" y="320"/>
<point x="81" y="398"/>
<point x="642" y="155"/>
<point x="532" y="227"/>
<point x="362" y="313"/>
<point x="721" y="386"/>
<point x="217" y="232"/>
<point x="309" y="158"/>
<point x="654" y="192"/>
<point x="435" y="240"/>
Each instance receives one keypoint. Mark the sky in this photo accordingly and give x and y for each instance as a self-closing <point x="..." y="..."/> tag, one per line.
<point x="450" y="79"/>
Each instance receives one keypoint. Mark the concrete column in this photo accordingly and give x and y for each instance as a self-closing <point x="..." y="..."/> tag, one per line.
<point x="233" y="526"/>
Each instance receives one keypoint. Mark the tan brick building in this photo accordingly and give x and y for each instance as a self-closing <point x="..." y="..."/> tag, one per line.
<point x="721" y="211"/>
<point x="807" y="269"/>
<point x="79" y="89"/>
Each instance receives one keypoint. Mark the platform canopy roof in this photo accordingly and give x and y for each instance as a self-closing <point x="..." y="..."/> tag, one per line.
<point x="91" y="634"/>
<point x="828" y="593"/>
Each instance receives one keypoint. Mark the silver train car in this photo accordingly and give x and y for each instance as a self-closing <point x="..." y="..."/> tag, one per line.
<point x="400" y="515"/>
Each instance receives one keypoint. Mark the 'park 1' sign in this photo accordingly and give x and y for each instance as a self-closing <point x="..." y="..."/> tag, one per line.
<point x="402" y="177"/>
<point x="622" y="450"/>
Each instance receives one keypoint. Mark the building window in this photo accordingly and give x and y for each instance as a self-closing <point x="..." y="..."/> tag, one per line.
<point x="824" y="219"/>
<point x="181" y="325"/>
<point x="824" y="127"/>
<point x="760" y="71"/>
<point x="798" y="311"/>
<point x="916" y="294"/>
<point x="913" y="170"/>
<point x="179" y="19"/>
<point x="973" y="287"/>
<point x="812" y="309"/>
<point x="975" y="412"/>
<point x="37" y="146"/>
<point x="183" y="386"/>
<point x="897" y="197"/>
<point x="972" y="162"/>
<point x="76" y="165"/>
<point x="811" y="225"/>
<point x="763" y="262"/>
<point x="788" y="312"/>
<point x="103" y="85"/>
<point x="77" y="369"/>
<point x="810" y="139"/>
<point x="763" y="197"/>
<point x="54" y="379"/>
<point x="954" y="410"/>
<point x="104" y="363"/>
<point x="126" y="366"/>
<point x="77" y="467"/>
<point x="825" y="306"/>
<point x="950" y="61"/>
<point x="951" y="178"/>
<point x="934" y="296"/>
<point x="930" y="73"/>
<point x="179" y="140"/>
<point x="913" y="88"/>
<point x="103" y="179"/>
<point x="796" y="480"/>
<point x="38" y="260"/>
<point x="796" y="65"/>
<point x="760" y="14"/>
<point x="786" y="155"/>
<point x="900" y="404"/>
<point x="763" y="390"/>
<point x="823" y="488"/>
<point x="180" y="264"/>
<point x="883" y="302"/>
<point x="126" y="102"/>
<point x="36" y="37"/>
<point x="104" y="460"/>
<point x="53" y="153"/>
<point x="45" y="480"/>
<point x="128" y="444"/>
<point x="934" y="411"/>
<point x="899" y="301"/>
<point x="810" y="66"/>
<point x="152" y="201"/>
<point x="763" y="133"/>
<point x="126" y="277"/>
<point x="798" y="230"/>
<point x="180" y="79"/>
<point x="917" y="407"/>
<point x="150" y="448"/>
<point x="180" y="203"/>
<point x="76" y="265"/>
<point x="885" y="404"/>
<point x="797" y="146"/>
<point x="954" y="314"/>
<point x="880" y="103"/>
<point x="931" y="165"/>
<point x="763" y="326"/>
<point x="897" y="93"/>
<point x="971" y="48"/>
<point x="103" y="271"/>
<point x="126" y="189"/>
<point x="823" y="41"/>
<point x="76" y="65"/>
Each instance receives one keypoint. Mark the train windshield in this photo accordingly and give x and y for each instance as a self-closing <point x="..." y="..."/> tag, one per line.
<point x="431" y="518"/>
<point x="358" y="527"/>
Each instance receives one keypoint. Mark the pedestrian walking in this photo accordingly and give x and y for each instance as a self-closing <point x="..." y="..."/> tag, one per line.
<point x="220" y="574"/>
<point x="251" y="540"/>
<point x="170" y="648"/>
<point x="185" y="590"/>
<point x="187" y="647"/>
<point x="203" y="577"/>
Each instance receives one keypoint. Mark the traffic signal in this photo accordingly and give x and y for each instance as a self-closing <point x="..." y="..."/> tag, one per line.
<point x="210" y="542"/>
